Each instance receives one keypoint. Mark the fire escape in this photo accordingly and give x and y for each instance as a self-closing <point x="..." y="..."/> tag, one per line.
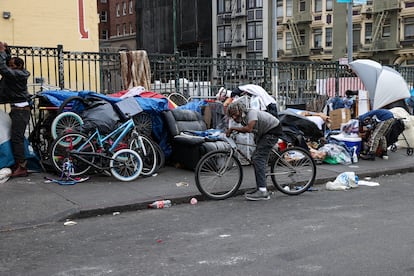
<point x="298" y="46"/>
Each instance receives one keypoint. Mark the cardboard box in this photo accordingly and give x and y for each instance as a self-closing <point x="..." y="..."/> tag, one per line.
<point x="339" y="116"/>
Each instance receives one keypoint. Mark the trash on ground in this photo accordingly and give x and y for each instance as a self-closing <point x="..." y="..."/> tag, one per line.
<point x="182" y="184"/>
<point x="70" y="223"/>
<point x="193" y="201"/>
<point x="368" y="183"/>
<point x="159" y="204"/>
<point x="116" y="213"/>
<point x="343" y="181"/>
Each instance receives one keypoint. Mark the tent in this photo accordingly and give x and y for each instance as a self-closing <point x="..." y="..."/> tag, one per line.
<point x="384" y="84"/>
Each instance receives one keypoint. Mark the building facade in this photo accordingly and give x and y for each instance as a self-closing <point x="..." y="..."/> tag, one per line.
<point x="72" y="24"/>
<point x="117" y="25"/>
<point x="314" y="30"/>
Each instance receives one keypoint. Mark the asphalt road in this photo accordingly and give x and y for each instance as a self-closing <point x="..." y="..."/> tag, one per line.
<point x="363" y="231"/>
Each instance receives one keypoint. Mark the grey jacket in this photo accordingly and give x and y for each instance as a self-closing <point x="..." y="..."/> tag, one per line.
<point x="13" y="84"/>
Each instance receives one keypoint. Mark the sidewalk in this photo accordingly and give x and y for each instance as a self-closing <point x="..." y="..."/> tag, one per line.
<point x="30" y="201"/>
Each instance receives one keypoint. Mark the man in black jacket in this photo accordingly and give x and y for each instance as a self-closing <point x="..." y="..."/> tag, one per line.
<point x="13" y="85"/>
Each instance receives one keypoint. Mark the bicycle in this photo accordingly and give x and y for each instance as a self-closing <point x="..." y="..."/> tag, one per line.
<point x="219" y="174"/>
<point x="107" y="153"/>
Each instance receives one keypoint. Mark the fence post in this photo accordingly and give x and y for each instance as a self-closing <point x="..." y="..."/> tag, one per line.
<point x="61" y="76"/>
<point x="336" y="78"/>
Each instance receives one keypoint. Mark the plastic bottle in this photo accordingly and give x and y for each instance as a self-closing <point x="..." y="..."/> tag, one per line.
<point x="159" y="204"/>
<point x="355" y="156"/>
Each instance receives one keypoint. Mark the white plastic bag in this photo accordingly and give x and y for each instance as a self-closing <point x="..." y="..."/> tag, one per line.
<point x="343" y="181"/>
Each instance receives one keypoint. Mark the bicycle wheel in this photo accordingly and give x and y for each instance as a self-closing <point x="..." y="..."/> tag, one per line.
<point x="61" y="148"/>
<point x="126" y="165"/>
<point x="160" y="157"/>
<point x="293" y="171"/>
<point x="66" y="122"/>
<point x="145" y="148"/>
<point x="143" y="123"/>
<point x="218" y="174"/>
<point x="75" y="104"/>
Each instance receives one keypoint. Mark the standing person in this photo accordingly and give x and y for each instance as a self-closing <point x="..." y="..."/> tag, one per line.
<point x="267" y="102"/>
<point x="267" y="130"/>
<point x="14" y="89"/>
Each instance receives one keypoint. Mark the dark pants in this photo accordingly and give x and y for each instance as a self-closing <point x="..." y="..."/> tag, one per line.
<point x="263" y="147"/>
<point x="20" y="118"/>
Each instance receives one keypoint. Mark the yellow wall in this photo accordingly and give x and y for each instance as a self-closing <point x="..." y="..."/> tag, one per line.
<point x="47" y="23"/>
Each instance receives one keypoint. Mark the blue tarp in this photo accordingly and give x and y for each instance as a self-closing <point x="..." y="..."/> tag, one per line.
<point x="153" y="106"/>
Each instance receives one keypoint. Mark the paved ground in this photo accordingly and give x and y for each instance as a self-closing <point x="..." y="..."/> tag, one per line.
<point x="30" y="201"/>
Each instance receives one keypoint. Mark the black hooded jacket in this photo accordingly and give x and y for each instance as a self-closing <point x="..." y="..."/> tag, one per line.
<point x="13" y="84"/>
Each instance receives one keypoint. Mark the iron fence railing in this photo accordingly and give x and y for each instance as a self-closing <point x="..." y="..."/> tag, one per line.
<point x="196" y="77"/>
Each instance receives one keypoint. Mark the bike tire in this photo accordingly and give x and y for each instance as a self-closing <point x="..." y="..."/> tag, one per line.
<point x="66" y="122"/>
<point x="143" y="123"/>
<point x="61" y="148"/>
<point x="293" y="171"/>
<point x="218" y="174"/>
<point x="145" y="148"/>
<point x="74" y="104"/>
<point x="125" y="165"/>
<point x="160" y="157"/>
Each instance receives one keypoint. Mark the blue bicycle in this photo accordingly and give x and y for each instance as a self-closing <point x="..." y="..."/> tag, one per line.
<point x="109" y="153"/>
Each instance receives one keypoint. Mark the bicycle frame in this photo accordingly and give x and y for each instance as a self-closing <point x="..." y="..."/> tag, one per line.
<point x="120" y="131"/>
<point x="234" y="149"/>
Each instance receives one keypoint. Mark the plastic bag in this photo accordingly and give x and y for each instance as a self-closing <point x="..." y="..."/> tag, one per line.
<point x="343" y="181"/>
<point x="336" y="154"/>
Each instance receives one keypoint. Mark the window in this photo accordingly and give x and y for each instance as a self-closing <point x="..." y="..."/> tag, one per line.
<point x="302" y="36"/>
<point x="302" y="5"/>
<point x="124" y="29"/>
<point x="131" y="7"/>
<point x="250" y="15"/>
<point x="239" y="6"/>
<point x="386" y="28"/>
<point x="328" y="37"/>
<point x="329" y="5"/>
<point x="227" y="6"/>
<point x="250" y="46"/>
<point x="289" y="7"/>
<point x="279" y="8"/>
<point x="104" y="34"/>
<point x="288" y="41"/>
<point x="356" y="34"/>
<point x="254" y="30"/>
<point x="259" y="45"/>
<point x="227" y="33"/>
<point x="368" y="33"/>
<point x="118" y="10"/>
<point x="124" y="8"/>
<point x="317" y="38"/>
<point x="220" y="6"/>
<point x="118" y="30"/>
<point x="220" y="34"/>
<point x="280" y="41"/>
<point x="328" y="18"/>
<point x="318" y="5"/>
<point x="131" y="28"/>
<point x="104" y="16"/>
<point x="239" y="33"/>
<point x="259" y="14"/>
<point x="103" y="1"/>
<point x="409" y="28"/>
<point x="254" y="4"/>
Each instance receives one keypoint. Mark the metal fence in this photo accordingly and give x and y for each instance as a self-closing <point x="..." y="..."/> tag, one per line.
<point x="196" y="77"/>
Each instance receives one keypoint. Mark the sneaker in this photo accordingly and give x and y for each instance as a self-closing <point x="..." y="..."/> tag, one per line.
<point x="257" y="195"/>
<point x="19" y="172"/>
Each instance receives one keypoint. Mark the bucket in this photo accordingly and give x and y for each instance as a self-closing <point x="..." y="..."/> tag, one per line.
<point x="349" y="141"/>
